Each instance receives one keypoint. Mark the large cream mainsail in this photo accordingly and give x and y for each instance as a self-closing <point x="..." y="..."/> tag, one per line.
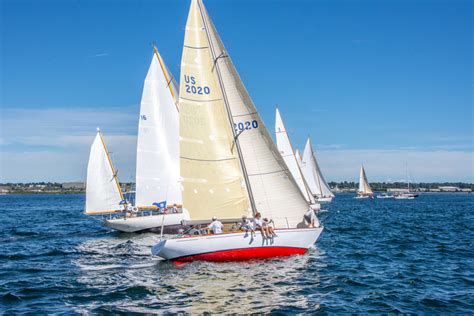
<point x="270" y="186"/>
<point x="157" y="174"/>
<point x="288" y="155"/>
<point x="364" y="187"/>
<point x="313" y="174"/>
<point x="211" y="173"/>
<point x="103" y="193"/>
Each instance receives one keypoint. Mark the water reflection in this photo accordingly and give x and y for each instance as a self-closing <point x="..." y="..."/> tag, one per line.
<point x="124" y="277"/>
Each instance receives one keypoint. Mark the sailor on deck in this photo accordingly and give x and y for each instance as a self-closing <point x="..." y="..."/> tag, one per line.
<point x="215" y="226"/>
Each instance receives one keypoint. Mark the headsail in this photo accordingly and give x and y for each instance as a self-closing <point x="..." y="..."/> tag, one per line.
<point x="364" y="186"/>
<point x="157" y="174"/>
<point x="267" y="185"/>
<point x="103" y="193"/>
<point x="288" y="155"/>
<point x="312" y="173"/>
<point x="210" y="167"/>
<point x="272" y="188"/>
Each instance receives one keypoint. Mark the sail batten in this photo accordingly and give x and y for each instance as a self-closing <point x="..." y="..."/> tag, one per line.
<point x="157" y="174"/>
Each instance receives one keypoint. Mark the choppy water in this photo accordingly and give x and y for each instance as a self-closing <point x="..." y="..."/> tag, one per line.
<point x="373" y="256"/>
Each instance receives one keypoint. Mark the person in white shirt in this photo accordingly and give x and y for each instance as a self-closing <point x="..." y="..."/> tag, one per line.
<point x="310" y="217"/>
<point x="258" y="225"/>
<point x="215" y="226"/>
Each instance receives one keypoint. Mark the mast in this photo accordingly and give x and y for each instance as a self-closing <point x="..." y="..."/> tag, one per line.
<point x="229" y="115"/>
<point x="114" y="172"/>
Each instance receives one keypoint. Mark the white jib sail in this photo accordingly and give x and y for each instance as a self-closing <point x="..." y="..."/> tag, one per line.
<point x="158" y="171"/>
<point x="364" y="186"/>
<point x="312" y="173"/>
<point x="103" y="193"/>
<point x="272" y="189"/>
<point x="288" y="155"/>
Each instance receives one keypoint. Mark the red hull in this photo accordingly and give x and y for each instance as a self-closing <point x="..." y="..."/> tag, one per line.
<point x="243" y="254"/>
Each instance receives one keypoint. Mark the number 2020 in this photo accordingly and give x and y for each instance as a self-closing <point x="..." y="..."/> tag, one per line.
<point x="197" y="90"/>
<point x="247" y="125"/>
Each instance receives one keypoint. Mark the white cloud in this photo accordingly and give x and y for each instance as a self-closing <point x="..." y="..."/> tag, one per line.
<point x="53" y="145"/>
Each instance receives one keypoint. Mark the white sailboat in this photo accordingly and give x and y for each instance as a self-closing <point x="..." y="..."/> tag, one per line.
<point x="103" y="193"/>
<point x="157" y="173"/>
<point x="364" y="191"/>
<point x="291" y="161"/>
<point x="229" y="163"/>
<point x="406" y="195"/>
<point x="313" y="175"/>
<point x="157" y="169"/>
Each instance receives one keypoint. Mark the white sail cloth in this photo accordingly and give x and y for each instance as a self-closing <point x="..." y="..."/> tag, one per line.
<point x="288" y="155"/>
<point x="103" y="192"/>
<point x="364" y="187"/>
<point x="312" y="173"/>
<point x="249" y="169"/>
<point x="158" y="170"/>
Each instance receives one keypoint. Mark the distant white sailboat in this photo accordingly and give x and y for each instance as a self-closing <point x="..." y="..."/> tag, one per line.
<point x="157" y="175"/>
<point x="364" y="191"/>
<point x="291" y="160"/>
<point x="103" y="193"/>
<point x="313" y="175"/>
<point x="406" y="195"/>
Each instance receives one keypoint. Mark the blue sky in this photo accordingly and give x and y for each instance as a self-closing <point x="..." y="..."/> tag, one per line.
<point x="375" y="82"/>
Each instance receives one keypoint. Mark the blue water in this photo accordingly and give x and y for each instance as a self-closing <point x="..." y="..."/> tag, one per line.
<point x="380" y="256"/>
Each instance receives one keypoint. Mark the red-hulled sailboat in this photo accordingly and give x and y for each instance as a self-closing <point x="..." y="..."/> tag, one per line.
<point x="230" y="166"/>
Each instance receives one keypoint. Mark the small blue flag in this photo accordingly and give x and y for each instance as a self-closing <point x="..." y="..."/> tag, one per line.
<point x="123" y="202"/>
<point x="160" y="204"/>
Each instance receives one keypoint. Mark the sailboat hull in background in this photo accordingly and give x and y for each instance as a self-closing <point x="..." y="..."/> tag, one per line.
<point x="171" y="223"/>
<point x="241" y="246"/>
<point x="323" y="199"/>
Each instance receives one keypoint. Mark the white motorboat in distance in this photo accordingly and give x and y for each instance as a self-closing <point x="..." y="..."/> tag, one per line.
<point x="385" y="196"/>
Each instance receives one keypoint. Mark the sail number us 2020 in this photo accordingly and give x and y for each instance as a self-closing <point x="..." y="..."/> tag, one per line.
<point x="191" y="86"/>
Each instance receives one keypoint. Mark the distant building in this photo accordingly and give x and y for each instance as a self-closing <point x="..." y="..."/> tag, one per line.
<point x="448" y="189"/>
<point x="73" y="185"/>
<point x="466" y="190"/>
<point x="4" y="189"/>
<point x="435" y="190"/>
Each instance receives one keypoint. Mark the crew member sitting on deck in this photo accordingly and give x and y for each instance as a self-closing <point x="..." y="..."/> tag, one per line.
<point x="268" y="228"/>
<point x="246" y="225"/>
<point x="258" y="223"/>
<point x="310" y="217"/>
<point x="215" y="227"/>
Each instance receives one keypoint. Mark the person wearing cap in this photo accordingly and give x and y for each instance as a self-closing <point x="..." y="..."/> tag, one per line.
<point x="246" y="225"/>
<point x="215" y="226"/>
